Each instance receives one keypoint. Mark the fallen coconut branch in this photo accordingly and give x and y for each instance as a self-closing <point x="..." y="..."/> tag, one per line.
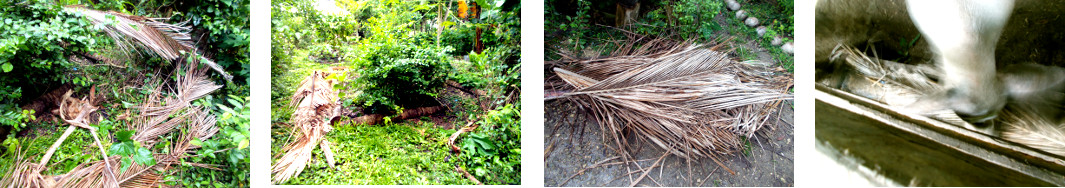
<point x="690" y="101"/>
<point x="317" y="105"/>
<point x="169" y="41"/>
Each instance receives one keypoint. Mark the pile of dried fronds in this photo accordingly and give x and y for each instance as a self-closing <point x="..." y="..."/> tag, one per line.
<point x="317" y="106"/>
<point x="1032" y="115"/>
<point x="691" y="101"/>
<point x="160" y="116"/>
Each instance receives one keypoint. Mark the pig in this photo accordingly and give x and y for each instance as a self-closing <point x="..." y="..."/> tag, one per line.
<point x="963" y="35"/>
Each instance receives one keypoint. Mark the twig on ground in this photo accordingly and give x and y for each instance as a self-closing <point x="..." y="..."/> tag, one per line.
<point x="633" y="184"/>
<point x="468" y="175"/>
<point x="707" y="178"/>
<point x="585" y="169"/>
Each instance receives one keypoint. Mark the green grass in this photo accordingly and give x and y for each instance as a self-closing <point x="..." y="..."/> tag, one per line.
<point x="406" y="153"/>
<point x="78" y="148"/>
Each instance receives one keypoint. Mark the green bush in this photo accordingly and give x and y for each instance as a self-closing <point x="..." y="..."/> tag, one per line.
<point x="35" y="41"/>
<point x="227" y="30"/>
<point x="393" y="76"/>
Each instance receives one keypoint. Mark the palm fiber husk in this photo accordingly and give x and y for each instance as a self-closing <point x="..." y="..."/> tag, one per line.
<point x="688" y="100"/>
<point x="1031" y="117"/>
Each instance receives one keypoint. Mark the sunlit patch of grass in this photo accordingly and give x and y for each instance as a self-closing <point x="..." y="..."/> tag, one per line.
<point x="407" y="153"/>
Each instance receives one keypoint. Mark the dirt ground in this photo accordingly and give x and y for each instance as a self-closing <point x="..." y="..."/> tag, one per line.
<point x="568" y="150"/>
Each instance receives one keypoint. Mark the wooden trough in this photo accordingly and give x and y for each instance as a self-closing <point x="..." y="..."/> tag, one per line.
<point x="917" y="150"/>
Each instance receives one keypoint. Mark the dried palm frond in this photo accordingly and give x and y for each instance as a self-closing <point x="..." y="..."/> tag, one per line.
<point x="316" y="105"/>
<point x="101" y="173"/>
<point x="169" y="41"/>
<point x="688" y="100"/>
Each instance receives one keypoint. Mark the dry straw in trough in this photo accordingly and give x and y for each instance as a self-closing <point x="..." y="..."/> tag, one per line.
<point x="1032" y="117"/>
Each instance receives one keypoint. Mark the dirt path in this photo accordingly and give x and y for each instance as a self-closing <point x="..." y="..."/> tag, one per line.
<point x="770" y="162"/>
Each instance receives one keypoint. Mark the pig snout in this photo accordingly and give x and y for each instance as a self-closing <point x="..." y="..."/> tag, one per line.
<point x="963" y="34"/>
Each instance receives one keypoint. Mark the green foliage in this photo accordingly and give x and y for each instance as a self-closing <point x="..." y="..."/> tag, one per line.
<point x="227" y="30"/>
<point x="493" y="154"/>
<point x="904" y="48"/>
<point x="394" y="76"/>
<point x="35" y="43"/>
<point x="16" y="120"/>
<point x="229" y="147"/>
<point x="696" y="17"/>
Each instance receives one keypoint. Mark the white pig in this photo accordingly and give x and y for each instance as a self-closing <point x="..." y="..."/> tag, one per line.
<point x="963" y="35"/>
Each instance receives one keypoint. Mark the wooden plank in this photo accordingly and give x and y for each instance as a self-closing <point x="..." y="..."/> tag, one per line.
<point x="914" y="149"/>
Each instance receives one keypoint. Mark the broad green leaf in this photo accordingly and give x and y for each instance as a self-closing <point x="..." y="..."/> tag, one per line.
<point x="124" y="149"/>
<point x="144" y="157"/>
<point x="7" y="67"/>
<point x="124" y="136"/>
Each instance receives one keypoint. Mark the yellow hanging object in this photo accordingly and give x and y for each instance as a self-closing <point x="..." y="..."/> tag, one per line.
<point x="462" y="9"/>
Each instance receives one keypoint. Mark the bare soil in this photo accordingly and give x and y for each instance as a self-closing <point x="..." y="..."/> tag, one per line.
<point x="578" y="144"/>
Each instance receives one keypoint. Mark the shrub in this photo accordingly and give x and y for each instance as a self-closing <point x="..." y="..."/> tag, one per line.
<point x="226" y="26"/>
<point x="394" y="76"/>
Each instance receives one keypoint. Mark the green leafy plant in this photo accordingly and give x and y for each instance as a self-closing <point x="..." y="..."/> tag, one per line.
<point x="229" y="147"/>
<point x="131" y="150"/>
<point x="494" y="154"/>
<point x="227" y="28"/>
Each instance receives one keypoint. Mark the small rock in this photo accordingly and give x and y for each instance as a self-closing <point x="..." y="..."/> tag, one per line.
<point x="776" y="41"/>
<point x="733" y="5"/>
<point x="741" y="14"/>
<point x="788" y="48"/>
<point x="752" y="21"/>
<point x="761" y="30"/>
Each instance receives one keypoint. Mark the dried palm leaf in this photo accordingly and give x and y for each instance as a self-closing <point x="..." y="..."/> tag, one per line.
<point x="317" y="106"/>
<point x="165" y="40"/>
<point x="199" y="125"/>
<point x="688" y="100"/>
